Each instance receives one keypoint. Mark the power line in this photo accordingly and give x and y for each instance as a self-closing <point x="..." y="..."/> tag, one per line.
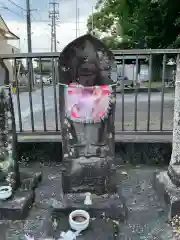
<point x="38" y="13"/>
<point x="59" y="21"/>
<point x="10" y="10"/>
<point x="15" y="4"/>
<point x="29" y="15"/>
<point x="41" y="20"/>
<point x="74" y="29"/>
<point x="18" y="6"/>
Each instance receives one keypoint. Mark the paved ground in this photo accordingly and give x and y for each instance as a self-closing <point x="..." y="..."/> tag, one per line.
<point x="129" y="110"/>
<point x="147" y="214"/>
<point x="147" y="218"/>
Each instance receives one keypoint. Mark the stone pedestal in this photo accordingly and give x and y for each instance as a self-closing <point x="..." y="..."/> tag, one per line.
<point x="17" y="207"/>
<point x="22" y="184"/>
<point x="96" y="176"/>
<point x="88" y="175"/>
<point x="105" y="205"/>
<point x="169" y="191"/>
<point x="168" y="183"/>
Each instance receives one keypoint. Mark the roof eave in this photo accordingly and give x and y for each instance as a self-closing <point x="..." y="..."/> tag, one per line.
<point x="12" y="36"/>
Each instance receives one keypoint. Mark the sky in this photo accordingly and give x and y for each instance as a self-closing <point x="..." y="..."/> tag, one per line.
<point x="15" y="18"/>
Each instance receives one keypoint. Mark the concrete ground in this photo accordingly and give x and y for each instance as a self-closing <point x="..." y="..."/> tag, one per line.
<point x="147" y="218"/>
<point x="129" y="100"/>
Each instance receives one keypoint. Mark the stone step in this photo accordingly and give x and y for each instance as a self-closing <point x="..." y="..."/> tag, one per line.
<point x="17" y="207"/>
<point x="108" y="205"/>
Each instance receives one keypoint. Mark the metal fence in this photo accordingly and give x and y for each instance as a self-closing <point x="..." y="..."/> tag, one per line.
<point x="144" y="108"/>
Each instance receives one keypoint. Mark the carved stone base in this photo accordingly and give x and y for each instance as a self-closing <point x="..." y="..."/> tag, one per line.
<point x="103" y="206"/>
<point x="18" y="206"/>
<point x="29" y="181"/>
<point x="173" y="172"/>
<point x="170" y="192"/>
<point x="87" y="175"/>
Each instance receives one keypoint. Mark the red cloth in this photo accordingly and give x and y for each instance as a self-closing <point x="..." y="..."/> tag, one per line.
<point x="97" y="110"/>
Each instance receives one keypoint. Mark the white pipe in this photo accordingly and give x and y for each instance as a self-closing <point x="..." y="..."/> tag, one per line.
<point x="88" y="199"/>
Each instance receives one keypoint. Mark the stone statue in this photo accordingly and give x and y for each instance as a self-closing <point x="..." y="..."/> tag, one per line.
<point x="9" y="172"/>
<point x="167" y="183"/>
<point x="17" y="205"/>
<point x="87" y="97"/>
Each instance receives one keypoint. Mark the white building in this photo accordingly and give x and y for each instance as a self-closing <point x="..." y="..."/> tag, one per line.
<point x="6" y="36"/>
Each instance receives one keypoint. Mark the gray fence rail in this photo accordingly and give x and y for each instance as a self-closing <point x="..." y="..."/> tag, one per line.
<point x="144" y="108"/>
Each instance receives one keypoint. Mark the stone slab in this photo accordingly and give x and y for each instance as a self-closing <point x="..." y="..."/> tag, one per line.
<point x="112" y="206"/>
<point x="30" y="180"/>
<point x="166" y="189"/>
<point x="17" y="207"/>
<point x="87" y="175"/>
<point x="104" y="229"/>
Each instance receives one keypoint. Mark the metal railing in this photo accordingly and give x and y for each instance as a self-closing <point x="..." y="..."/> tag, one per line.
<point x="138" y="109"/>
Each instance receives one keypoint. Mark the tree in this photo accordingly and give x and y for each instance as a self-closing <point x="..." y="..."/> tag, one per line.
<point x="140" y="23"/>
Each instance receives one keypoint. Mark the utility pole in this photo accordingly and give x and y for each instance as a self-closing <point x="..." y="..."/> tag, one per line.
<point x="29" y="61"/>
<point x="28" y="17"/>
<point x="77" y="18"/>
<point x="51" y="25"/>
<point x="92" y="19"/>
<point x="54" y="15"/>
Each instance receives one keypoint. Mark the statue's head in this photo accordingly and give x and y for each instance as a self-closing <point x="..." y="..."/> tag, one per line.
<point x="86" y="61"/>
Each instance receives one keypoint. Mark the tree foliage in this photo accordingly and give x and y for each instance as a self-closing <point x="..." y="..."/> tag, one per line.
<point x="140" y="23"/>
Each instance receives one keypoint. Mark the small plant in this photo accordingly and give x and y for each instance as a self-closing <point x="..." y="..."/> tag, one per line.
<point x="175" y="223"/>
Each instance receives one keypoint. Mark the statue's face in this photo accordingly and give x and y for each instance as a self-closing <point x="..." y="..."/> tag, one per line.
<point x="87" y="74"/>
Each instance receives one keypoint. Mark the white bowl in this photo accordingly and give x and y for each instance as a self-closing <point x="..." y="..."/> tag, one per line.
<point x="76" y="225"/>
<point x="5" y="192"/>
